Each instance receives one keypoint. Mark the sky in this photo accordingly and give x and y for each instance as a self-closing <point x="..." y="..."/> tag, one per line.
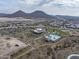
<point x="53" y="7"/>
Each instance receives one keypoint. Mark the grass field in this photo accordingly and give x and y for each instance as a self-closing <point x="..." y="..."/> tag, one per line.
<point x="58" y="31"/>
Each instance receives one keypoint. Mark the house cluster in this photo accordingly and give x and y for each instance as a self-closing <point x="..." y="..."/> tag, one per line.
<point x="64" y="24"/>
<point x="73" y="26"/>
<point x="56" y="24"/>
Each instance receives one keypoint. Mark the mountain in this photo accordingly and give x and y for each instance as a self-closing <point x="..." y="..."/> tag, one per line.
<point x="3" y="14"/>
<point x="36" y="14"/>
<point x="18" y="14"/>
<point x="70" y="18"/>
<point x="40" y="14"/>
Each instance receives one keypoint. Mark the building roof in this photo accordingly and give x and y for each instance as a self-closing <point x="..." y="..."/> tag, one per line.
<point x="39" y="30"/>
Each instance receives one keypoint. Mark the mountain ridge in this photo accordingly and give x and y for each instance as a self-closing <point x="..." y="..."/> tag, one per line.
<point x="35" y="14"/>
<point x="38" y="14"/>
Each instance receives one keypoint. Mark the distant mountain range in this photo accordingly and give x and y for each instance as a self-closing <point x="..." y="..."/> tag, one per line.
<point x="37" y="14"/>
<point x="68" y="17"/>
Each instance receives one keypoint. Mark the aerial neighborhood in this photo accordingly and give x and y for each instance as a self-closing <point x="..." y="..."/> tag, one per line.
<point x="37" y="36"/>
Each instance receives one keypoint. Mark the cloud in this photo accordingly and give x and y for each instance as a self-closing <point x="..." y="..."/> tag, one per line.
<point x="31" y="2"/>
<point x="34" y="3"/>
<point x="65" y="3"/>
<point x="56" y="3"/>
<point x="63" y="7"/>
<point x="49" y="6"/>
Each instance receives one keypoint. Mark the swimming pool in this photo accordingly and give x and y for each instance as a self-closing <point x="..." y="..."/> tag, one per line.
<point x="53" y="37"/>
<point x="73" y="56"/>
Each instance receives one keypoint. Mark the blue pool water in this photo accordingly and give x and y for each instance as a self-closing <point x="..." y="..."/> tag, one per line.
<point x="53" y="37"/>
<point x="73" y="56"/>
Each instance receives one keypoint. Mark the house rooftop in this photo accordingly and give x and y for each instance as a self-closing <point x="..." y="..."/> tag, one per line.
<point x="39" y="30"/>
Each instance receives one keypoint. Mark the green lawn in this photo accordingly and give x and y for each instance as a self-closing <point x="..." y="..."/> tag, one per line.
<point x="58" y="31"/>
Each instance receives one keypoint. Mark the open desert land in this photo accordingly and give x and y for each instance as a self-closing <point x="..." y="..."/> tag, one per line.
<point x="37" y="45"/>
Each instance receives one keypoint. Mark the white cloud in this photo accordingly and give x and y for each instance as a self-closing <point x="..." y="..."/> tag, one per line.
<point x="52" y="8"/>
<point x="65" y="3"/>
<point x="66" y="7"/>
<point x="31" y="2"/>
<point x="49" y="6"/>
<point x="62" y="3"/>
<point x="70" y="3"/>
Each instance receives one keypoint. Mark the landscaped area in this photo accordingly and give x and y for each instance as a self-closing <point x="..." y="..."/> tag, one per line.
<point x="58" y="31"/>
<point x="48" y="44"/>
